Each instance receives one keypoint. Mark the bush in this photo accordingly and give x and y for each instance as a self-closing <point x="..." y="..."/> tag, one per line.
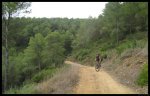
<point x="11" y="91"/>
<point x="29" y="87"/>
<point x="141" y="43"/>
<point x="143" y="76"/>
<point x="125" y="45"/>
<point x="46" y="73"/>
<point x="140" y="35"/>
<point x="37" y="78"/>
<point x="26" y="89"/>
<point x="107" y="46"/>
<point x="81" y="54"/>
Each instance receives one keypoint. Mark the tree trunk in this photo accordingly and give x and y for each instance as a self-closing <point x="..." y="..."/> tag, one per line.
<point x="130" y="28"/>
<point x="6" y="21"/>
<point x="39" y="60"/>
<point x="6" y="59"/>
<point x="39" y="65"/>
<point x="117" y="30"/>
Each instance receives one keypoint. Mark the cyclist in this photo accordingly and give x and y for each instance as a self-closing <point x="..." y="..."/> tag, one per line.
<point x="98" y="58"/>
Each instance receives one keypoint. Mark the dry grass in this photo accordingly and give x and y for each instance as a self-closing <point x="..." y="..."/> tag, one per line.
<point x="127" y="67"/>
<point x="126" y="54"/>
<point x="145" y="50"/>
<point x="61" y="83"/>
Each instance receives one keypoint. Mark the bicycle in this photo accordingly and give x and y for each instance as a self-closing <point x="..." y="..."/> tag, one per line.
<point x="97" y="66"/>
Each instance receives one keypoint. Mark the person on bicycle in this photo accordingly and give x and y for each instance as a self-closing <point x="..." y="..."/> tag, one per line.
<point x="98" y="59"/>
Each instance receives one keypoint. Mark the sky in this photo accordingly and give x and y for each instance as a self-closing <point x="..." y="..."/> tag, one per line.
<point x="66" y="9"/>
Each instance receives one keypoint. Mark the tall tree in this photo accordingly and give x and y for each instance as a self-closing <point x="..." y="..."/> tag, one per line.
<point x="112" y="14"/>
<point x="54" y="49"/>
<point x="34" y="50"/>
<point x="10" y="9"/>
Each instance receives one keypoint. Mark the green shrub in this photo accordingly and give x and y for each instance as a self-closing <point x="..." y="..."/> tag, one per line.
<point x="46" y="73"/>
<point x="125" y="45"/>
<point x="103" y="54"/>
<point x="29" y="86"/>
<point x="140" y="35"/>
<point x="37" y="78"/>
<point x="81" y="54"/>
<point x="25" y="89"/>
<point x="107" y="46"/>
<point x="141" y="43"/>
<point x="76" y="54"/>
<point x="143" y="76"/>
<point x="11" y="91"/>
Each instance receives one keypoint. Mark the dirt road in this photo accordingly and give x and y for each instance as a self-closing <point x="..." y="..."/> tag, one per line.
<point x="92" y="82"/>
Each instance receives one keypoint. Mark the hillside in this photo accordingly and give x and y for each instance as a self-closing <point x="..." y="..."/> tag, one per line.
<point x="126" y="68"/>
<point x="34" y="50"/>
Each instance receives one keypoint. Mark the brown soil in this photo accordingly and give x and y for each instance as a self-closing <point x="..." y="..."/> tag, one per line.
<point x="92" y="82"/>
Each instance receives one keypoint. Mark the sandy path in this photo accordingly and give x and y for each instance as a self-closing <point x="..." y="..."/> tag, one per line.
<point x="92" y="82"/>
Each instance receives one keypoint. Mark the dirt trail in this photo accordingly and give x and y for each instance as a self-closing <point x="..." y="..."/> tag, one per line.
<point x="92" y="82"/>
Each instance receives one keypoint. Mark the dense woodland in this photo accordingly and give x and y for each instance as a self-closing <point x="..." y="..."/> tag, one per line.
<point x="30" y="45"/>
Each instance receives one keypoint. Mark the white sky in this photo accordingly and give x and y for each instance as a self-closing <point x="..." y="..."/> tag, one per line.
<point x="66" y="9"/>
